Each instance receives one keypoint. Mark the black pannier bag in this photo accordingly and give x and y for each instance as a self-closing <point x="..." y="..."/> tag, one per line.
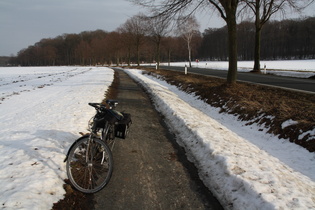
<point x="113" y="116"/>
<point x="122" y="126"/>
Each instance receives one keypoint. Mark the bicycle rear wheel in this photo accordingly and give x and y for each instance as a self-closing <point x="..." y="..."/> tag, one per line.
<point x="89" y="165"/>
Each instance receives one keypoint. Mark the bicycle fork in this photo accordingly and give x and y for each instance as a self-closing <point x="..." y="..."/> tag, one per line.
<point x="89" y="159"/>
<point x="90" y="149"/>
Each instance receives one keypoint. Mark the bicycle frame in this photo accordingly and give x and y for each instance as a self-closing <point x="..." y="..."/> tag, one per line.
<point x="89" y="159"/>
<point x="108" y="135"/>
<point x="104" y="132"/>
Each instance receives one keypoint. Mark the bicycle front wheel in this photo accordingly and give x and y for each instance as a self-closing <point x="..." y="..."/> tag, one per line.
<point x="89" y="165"/>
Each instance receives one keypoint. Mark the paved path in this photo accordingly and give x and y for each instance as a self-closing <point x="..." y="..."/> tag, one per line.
<point x="299" y="84"/>
<point x="150" y="169"/>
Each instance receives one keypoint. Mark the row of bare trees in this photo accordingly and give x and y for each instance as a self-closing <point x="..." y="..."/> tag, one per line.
<point x="262" y="10"/>
<point x="287" y="39"/>
<point x="139" y="39"/>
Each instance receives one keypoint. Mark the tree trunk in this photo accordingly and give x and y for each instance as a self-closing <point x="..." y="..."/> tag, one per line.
<point x="158" y="52"/>
<point x="129" y="56"/>
<point x="232" y="43"/>
<point x="169" y="57"/>
<point x="189" y="53"/>
<point x="257" y="50"/>
<point x="138" y="55"/>
<point x="257" y="39"/>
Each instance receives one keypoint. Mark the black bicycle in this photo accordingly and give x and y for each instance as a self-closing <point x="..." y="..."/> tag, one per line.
<point x="89" y="159"/>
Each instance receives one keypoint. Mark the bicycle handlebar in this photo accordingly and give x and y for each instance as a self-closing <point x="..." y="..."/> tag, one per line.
<point x="96" y="105"/>
<point x="111" y="103"/>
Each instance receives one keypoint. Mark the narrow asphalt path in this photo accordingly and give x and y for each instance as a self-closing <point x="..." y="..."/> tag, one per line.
<point x="298" y="84"/>
<point x="150" y="169"/>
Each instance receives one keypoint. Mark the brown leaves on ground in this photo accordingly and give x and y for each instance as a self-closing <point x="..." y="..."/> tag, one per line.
<point x="74" y="199"/>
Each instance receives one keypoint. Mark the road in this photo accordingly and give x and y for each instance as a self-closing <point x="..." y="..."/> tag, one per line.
<point x="150" y="169"/>
<point x="298" y="84"/>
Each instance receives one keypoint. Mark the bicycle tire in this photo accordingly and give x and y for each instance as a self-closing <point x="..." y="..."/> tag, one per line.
<point x="89" y="166"/>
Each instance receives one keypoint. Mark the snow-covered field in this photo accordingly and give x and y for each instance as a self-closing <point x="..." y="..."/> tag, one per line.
<point x="42" y="109"/>
<point x="292" y="68"/>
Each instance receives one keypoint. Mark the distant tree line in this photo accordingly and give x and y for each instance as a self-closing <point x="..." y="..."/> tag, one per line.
<point x="4" y="60"/>
<point x="287" y="39"/>
<point x="97" y="48"/>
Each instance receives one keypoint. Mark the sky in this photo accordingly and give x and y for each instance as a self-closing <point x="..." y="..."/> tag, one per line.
<point x="23" y="23"/>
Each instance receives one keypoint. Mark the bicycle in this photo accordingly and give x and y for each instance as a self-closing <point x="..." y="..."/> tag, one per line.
<point x="89" y="159"/>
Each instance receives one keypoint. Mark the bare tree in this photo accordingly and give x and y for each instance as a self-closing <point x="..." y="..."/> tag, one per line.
<point x="226" y="8"/>
<point x="135" y="27"/>
<point x="187" y="28"/>
<point x="99" y="50"/>
<point x="83" y="53"/>
<point x="157" y="29"/>
<point x="263" y="10"/>
<point x="126" y="39"/>
<point x="113" y="46"/>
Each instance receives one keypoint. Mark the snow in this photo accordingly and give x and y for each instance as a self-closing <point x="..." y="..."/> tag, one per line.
<point x="288" y="123"/>
<point x="291" y="68"/>
<point x="244" y="168"/>
<point x="43" y="109"/>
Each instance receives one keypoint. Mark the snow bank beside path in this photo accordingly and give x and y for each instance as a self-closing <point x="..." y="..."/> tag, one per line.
<point x="241" y="174"/>
<point x="42" y="111"/>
